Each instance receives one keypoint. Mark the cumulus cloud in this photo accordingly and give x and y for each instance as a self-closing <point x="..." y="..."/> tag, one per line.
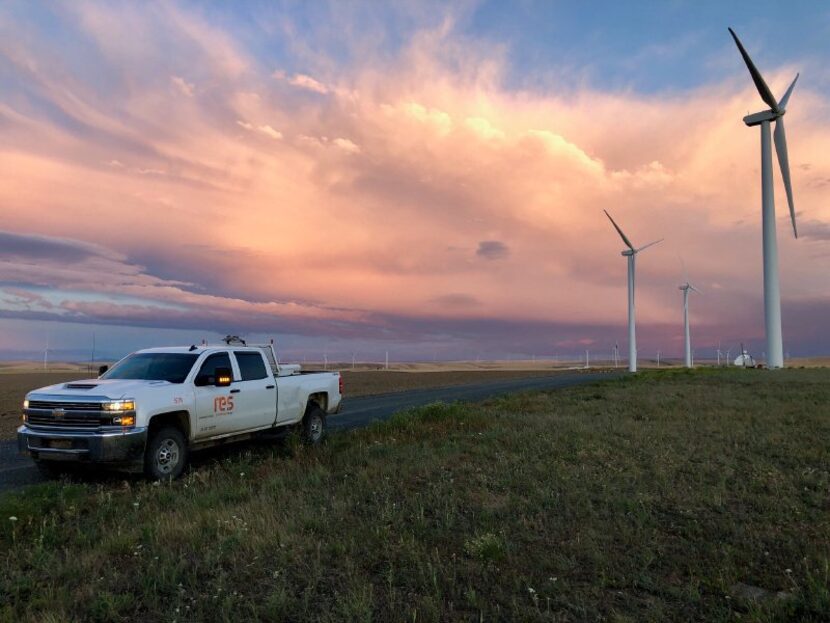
<point x="307" y="82"/>
<point x="266" y="129"/>
<point x="450" y="161"/>
<point x="346" y="145"/>
<point x="183" y="86"/>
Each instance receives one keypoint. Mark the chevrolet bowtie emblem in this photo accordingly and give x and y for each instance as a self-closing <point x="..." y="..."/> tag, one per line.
<point x="58" y="412"/>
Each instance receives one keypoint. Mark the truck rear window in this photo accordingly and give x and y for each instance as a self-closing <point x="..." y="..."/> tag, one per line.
<point x="171" y="367"/>
<point x="251" y="366"/>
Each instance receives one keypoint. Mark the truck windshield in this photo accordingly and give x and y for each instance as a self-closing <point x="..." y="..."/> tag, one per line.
<point x="171" y="367"/>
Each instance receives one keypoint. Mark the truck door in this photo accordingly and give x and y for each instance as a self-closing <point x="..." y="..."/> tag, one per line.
<point x="216" y="410"/>
<point x="257" y="391"/>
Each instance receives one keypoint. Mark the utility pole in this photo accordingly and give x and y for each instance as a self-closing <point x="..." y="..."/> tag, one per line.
<point x="387" y="360"/>
<point x="587" y="360"/>
<point x="352" y="361"/>
<point x="658" y="358"/>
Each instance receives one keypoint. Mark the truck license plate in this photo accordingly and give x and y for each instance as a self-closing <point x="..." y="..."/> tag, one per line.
<point x="61" y="444"/>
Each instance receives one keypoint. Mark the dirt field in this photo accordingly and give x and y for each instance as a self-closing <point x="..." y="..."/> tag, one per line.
<point x="13" y="386"/>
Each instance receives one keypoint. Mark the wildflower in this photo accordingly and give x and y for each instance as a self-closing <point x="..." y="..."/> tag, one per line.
<point x="531" y="590"/>
<point x="12" y="518"/>
<point x="135" y="504"/>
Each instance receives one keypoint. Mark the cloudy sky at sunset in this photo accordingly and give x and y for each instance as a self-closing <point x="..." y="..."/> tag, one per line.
<point x="361" y="176"/>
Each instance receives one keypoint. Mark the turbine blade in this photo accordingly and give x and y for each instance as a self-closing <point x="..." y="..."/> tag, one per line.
<point x="782" y="105"/>
<point x="694" y="289"/>
<point x="763" y="89"/>
<point x="619" y="231"/>
<point x="650" y="244"/>
<point x="784" y="163"/>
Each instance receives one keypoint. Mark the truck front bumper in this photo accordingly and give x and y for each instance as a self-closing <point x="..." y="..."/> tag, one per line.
<point x="123" y="447"/>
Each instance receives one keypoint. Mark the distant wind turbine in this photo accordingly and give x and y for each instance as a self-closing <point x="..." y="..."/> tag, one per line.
<point x="631" y="254"/>
<point x="686" y="333"/>
<point x="772" y="290"/>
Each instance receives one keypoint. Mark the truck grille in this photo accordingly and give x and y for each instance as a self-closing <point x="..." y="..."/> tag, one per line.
<point x="47" y="420"/>
<point x="66" y="415"/>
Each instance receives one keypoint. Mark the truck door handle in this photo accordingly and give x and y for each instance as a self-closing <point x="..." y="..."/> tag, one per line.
<point x="269" y="387"/>
<point x="234" y="391"/>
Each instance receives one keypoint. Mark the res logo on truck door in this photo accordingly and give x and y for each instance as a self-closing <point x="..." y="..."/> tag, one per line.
<point x="223" y="404"/>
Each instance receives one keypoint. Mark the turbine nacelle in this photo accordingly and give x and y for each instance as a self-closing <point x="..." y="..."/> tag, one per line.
<point x="759" y="117"/>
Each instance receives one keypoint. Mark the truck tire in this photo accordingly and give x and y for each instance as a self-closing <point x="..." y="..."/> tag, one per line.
<point x="166" y="454"/>
<point x="314" y="425"/>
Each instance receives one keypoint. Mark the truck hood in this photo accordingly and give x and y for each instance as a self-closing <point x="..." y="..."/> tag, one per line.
<point x="114" y="388"/>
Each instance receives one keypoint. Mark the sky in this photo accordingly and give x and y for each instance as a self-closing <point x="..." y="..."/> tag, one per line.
<point x="423" y="178"/>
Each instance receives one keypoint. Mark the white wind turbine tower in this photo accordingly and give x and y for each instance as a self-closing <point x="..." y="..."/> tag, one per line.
<point x="688" y="341"/>
<point x="631" y="254"/>
<point x="772" y="292"/>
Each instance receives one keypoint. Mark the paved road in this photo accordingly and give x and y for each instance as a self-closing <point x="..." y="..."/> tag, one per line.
<point x="17" y="470"/>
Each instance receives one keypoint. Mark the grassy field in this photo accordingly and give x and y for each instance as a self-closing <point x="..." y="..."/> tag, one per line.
<point x="651" y="498"/>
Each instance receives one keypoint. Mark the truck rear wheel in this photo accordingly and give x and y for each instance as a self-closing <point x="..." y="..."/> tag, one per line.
<point x="314" y="425"/>
<point x="166" y="455"/>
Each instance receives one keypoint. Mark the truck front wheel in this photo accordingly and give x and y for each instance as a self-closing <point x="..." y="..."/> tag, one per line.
<point x="314" y="425"/>
<point x="166" y="455"/>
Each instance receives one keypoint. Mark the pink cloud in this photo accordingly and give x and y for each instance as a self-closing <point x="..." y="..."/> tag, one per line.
<point x="448" y="159"/>
<point x="307" y="82"/>
<point x="183" y="86"/>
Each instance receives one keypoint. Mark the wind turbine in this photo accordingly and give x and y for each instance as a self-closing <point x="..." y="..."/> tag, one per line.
<point x="685" y="288"/>
<point x="772" y="291"/>
<point x="631" y="254"/>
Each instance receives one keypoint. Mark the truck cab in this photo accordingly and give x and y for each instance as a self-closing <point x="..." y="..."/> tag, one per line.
<point x="155" y="406"/>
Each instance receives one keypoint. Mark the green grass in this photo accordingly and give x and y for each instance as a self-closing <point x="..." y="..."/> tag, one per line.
<point x="641" y="499"/>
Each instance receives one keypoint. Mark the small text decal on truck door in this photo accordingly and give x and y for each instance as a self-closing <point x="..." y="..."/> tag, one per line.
<point x="223" y="404"/>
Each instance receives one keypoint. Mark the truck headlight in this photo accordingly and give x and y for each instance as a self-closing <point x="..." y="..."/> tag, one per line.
<point x="124" y="420"/>
<point x="119" y="405"/>
<point x="26" y="404"/>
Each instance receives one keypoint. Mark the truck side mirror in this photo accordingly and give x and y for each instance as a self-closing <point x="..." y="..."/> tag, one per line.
<point x="223" y="378"/>
<point x="102" y="369"/>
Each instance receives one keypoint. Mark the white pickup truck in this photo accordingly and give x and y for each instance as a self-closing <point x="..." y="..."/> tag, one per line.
<point x="156" y="405"/>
